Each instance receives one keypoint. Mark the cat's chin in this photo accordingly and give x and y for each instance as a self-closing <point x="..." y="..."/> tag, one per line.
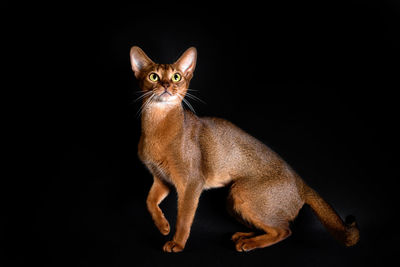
<point x="166" y="101"/>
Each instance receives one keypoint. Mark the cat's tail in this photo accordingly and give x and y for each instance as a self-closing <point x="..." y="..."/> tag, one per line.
<point x="347" y="232"/>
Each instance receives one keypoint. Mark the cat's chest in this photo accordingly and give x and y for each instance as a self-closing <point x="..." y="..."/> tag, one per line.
<point x="156" y="156"/>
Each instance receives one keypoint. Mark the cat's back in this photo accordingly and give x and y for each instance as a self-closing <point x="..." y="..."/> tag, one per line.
<point x="227" y="135"/>
<point x="229" y="152"/>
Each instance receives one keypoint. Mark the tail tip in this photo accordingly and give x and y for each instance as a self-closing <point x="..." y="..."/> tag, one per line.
<point x="350" y="220"/>
<point x="352" y="233"/>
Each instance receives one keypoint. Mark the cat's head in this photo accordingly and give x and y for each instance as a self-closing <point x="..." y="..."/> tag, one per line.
<point x="163" y="83"/>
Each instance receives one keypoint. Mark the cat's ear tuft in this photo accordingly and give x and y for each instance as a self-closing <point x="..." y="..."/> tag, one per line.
<point x="187" y="62"/>
<point x="139" y="60"/>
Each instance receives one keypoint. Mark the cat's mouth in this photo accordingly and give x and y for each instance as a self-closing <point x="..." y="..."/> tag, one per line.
<point x="165" y="97"/>
<point x="166" y="92"/>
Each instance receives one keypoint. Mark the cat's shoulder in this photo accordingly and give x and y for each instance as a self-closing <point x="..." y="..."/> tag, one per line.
<point x="219" y="123"/>
<point x="215" y="121"/>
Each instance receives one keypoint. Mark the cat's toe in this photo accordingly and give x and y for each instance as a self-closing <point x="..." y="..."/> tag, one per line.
<point x="244" y="245"/>
<point x="172" y="246"/>
<point x="163" y="227"/>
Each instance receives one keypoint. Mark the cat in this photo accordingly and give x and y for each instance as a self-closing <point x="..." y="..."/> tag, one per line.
<point x="193" y="154"/>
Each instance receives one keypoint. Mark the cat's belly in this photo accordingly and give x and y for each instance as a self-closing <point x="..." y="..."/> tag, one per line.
<point x="220" y="180"/>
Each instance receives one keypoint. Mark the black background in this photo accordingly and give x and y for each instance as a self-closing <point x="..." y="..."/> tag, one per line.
<point x="315" y="81"/>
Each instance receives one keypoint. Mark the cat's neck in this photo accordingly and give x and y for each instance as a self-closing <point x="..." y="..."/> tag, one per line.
<point x="161" y="119"/>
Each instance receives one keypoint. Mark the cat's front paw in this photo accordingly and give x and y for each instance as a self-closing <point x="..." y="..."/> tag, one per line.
<point x="172" y="246"/>
<point x="163" y="227"/>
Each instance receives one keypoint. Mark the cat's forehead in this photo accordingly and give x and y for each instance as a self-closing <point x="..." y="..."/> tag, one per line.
<point x="164" y="68"/>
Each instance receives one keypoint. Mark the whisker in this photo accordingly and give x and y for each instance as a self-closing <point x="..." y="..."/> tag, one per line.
<point x="145" y="105"/>
<point x="139" y="112"/>
<point x="194" y="97"/>
<point x="142" y="96"/>
<point x="187" y="103"/>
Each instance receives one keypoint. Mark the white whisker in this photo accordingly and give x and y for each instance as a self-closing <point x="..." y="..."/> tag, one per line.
<point x="144" y="95"/>
<point x="145" y="105"/>
<point x="187" y="103"/>
<point x="194" y="97"/>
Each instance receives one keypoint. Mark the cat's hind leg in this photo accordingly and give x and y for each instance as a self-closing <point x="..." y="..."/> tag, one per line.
<point x="240" y="235"/>
<point x="254" y="204"/>
<point x="272" y="236"/>
<point x="249" y="241"/>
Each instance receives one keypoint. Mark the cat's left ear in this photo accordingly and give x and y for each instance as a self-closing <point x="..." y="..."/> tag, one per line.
<point x="139" y="60"/>
<point x="187" y="62"/>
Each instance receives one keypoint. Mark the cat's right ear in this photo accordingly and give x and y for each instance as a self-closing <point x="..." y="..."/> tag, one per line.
<point x="139" y="60"/>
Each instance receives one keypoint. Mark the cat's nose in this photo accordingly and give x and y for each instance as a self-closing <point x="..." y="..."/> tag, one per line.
<point x="165" y="84"/>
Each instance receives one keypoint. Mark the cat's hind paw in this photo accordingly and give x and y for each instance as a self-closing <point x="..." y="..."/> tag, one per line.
<point x="239" y="235"/>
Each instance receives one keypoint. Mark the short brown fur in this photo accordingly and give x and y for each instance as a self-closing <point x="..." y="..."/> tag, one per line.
<point x="194" y="154"/>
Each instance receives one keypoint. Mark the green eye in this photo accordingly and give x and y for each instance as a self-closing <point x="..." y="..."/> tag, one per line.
<point x="153" y="77"/>
<point x="176" y="77"/>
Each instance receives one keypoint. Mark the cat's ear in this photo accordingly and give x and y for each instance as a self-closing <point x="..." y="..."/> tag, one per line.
<point x="139" y="60"/>
<point x="187" y="62"/>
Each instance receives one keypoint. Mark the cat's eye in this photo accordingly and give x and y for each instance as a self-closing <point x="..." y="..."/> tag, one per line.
<point x="153" y="77"/>
<point x="176" y="77"/>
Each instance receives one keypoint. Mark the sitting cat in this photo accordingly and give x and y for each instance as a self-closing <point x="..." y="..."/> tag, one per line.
<point x="194" y="154"/>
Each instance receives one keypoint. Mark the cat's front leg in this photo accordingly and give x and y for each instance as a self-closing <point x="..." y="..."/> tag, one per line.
<point x="188" y="199"/>
<point x="159" y="190"/>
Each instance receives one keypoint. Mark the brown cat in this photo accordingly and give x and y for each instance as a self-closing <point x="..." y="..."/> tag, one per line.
<point x="194" y="154"/>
